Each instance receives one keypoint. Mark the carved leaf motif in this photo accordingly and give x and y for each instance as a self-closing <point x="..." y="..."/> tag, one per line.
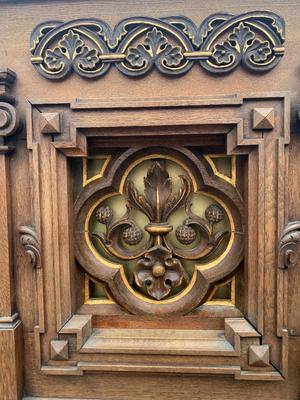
<point x="55" y="59"/>
<point x="224" y="53"/>
<point x="171" y="55"/>
<point x="70" y="44"/>
<point x="137" y="200"/>
<point x="138" y="56"/>
<point x="259" y="50"/>
<point x="155" y="41"/>
<point x="29" y="241"/>
<point x="158" y="188"/>
<point x="242" y="37"/>
<point x="178" y="199"/>
<point x="87" y="58"/>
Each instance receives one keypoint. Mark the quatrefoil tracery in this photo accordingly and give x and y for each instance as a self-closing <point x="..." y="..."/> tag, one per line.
<point x="159" y="264"/>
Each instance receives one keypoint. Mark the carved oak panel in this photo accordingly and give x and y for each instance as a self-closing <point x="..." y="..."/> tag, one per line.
<point x="151" y="264"/>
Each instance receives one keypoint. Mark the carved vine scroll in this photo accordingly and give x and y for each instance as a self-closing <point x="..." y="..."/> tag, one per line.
<point x="172" y="45"/>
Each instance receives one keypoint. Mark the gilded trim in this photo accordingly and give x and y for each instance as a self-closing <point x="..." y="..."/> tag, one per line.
<point x="136" y="45"/>
<point x="85" y="179"/>
<point x="198" y="267"/>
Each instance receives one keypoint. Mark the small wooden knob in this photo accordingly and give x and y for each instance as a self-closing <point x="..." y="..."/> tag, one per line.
<point x="158" y="270"/>
<point x="4" y="118"/>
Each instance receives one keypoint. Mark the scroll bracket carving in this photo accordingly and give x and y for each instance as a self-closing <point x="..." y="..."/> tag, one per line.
<point x="31" y="245"/>
<point x="289" y="245"/>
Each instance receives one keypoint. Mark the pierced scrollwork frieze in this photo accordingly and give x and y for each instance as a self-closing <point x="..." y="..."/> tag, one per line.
<point x="172" y="45"/>
<point x="289" y="245"/>
<point x="29" y="241"/>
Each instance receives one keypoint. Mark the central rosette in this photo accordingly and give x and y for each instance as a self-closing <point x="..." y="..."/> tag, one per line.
<point x="159" y="264"/>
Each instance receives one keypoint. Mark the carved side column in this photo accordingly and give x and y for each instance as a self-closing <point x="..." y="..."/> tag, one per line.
<point x="11" y="340"/>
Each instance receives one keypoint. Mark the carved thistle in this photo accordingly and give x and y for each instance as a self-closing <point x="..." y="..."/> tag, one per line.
<point x="172" y="45"/>
<point x="159" y="268"/>
<point x="31" y="245"/>
<point x="289" y="245"/>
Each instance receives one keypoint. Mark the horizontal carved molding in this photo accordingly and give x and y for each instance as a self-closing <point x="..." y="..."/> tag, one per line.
<point x="172" y="45"/>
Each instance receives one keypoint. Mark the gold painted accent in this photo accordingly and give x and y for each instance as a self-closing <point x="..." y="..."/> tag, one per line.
<point x="211" y="264"/>
<point x="151" y="157"/>
<point x="158" y="228"/>
<point x="232" y="180"/>
<point x="138" y="33"/>
<point x="222" y="302"/>
<point x="112" y="57"/>
<point x="197" y="54"/>
<point x="36" y="59"/>
<point x="87" y="297"/>
<point x="279" y="50"/>
<point x="85" y="179"/>
<point x="237" y="21"/>
<point x="155" y="25"/>
<point x="121" y="267"/>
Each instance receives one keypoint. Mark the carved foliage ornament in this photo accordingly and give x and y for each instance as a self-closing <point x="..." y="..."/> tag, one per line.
<point x="289" y="245"/>
<point x="162" y="256"/>
<point x="29" y="241"/>
<point x="158" y="266"/>
<point x="138" y="44"/>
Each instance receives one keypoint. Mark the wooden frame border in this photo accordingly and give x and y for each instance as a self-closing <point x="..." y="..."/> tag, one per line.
<point x="265" y="198"/>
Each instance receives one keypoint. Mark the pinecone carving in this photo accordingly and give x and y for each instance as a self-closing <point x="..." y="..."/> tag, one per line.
<point x="104" y="214"/>
<point x="185" y="234"/>
<point x="214" y="214"/>
<point x="132" y="235"/>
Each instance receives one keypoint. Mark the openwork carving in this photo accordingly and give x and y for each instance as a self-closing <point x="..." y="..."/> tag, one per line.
<point x="31" y="245"/>
<point x="160" y="266"/>
<point x="172" y="45"/>
<point x="289" y="245"/>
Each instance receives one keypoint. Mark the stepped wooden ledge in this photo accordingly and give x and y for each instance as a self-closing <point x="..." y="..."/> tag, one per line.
<point x="158" y="341"/>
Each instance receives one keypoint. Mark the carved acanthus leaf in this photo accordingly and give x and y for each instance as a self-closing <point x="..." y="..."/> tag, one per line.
<point x="289" y="245"/>
<point x="31" y="245"/>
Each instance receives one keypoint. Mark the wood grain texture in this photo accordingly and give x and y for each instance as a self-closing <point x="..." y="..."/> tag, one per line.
<point x="11" y="360"/>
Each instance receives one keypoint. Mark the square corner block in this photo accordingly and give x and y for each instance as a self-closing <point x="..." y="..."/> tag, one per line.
<point x="263" y="118"/>
<point x="259" y="356"/>
<point x="59" y="350"/>
<point x="50" y="123"/>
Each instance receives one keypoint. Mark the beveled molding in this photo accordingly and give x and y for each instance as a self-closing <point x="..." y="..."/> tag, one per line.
<point x="260" y="136"/>
<point x="136" y="45"/>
